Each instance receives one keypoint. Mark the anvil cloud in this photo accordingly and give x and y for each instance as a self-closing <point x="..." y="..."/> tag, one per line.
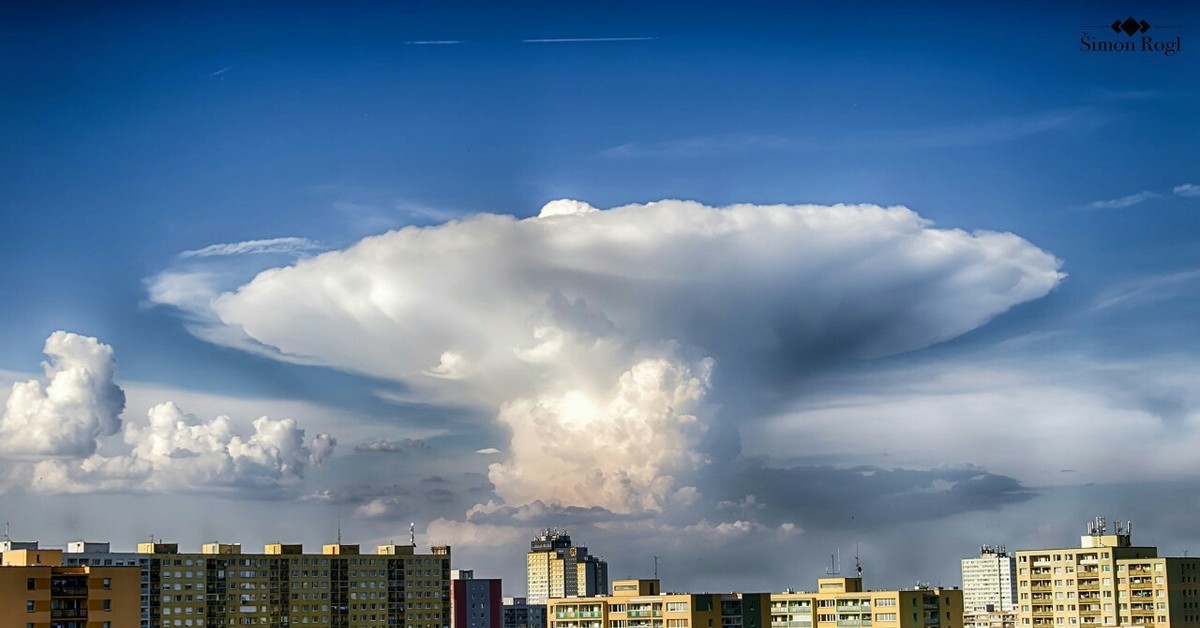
<point x="600" y="338"/>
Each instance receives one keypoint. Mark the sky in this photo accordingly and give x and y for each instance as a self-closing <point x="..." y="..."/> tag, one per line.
<point x="743" y="286"/>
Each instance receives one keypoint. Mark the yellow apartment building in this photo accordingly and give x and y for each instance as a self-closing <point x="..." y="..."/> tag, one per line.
<point x="1107" y="581"/>
<point x="37" y="591"/>
<point x="841" y="602"/>
<point x="641" y="604"/>
<point x="340" y="587"/>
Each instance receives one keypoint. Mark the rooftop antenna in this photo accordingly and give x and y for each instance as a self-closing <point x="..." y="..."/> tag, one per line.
<point x="857" y="563"/>
<point x="656" y="567"/>
<point x="412" y="533"/>
<point x="339" y="534"/>
<point x="835" y="565"/>
<point x="6" y="536"/>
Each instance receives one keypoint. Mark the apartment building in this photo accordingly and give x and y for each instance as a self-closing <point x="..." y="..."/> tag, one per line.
<point x="284" y="586"/>
<point x="38" y="591"/>
<point x="1107" y="581"/>
<point x="519" y="613"/>
<point x="556" y="568"/>
<point x="990" y="589"/>
<point x="641" y="604"/>
<point x="474" y="602"/>
<point x="841" y="602"/>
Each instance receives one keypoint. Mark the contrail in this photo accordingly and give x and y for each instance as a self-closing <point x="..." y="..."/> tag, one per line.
<point x="435" y="42"/>
<point x="221" y="71"/>
<point x="569" y="40"/>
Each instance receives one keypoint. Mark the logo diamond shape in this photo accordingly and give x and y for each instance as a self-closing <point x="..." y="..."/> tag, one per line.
<point x="1130" y="26"/>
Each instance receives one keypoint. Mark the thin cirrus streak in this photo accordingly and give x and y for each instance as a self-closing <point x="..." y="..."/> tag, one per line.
<point x="572" y="40"/>
<point x="434" y="42"/>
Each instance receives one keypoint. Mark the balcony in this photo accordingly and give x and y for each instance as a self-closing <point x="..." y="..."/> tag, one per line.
<point x="68" y="613"/>
<point x="69" y="591"/>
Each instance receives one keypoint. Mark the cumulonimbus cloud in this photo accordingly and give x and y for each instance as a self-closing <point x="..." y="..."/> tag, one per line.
<point x="590" y="331"/>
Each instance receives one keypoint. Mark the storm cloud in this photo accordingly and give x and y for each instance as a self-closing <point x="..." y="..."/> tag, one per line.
<point x="599" y="338"/>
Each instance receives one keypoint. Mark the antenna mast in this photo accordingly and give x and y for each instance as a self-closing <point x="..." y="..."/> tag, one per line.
<point x="835" y="564"/>
<point x="656" y="567"/>
<point x="412" y="533"/>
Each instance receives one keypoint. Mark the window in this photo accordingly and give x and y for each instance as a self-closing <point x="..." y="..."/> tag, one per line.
<point x="106" y="605"/>
<point x="29" y="606"/>
<point x="106" y="583"/>
<point x="29" y="584"/>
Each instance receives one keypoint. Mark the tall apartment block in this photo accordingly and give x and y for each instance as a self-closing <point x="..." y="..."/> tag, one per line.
<point x="283" y="585"/>
<point x="990" y="589"/>
<point x="640" y="604"/>
<point x="1107" y="581"/>
<point x="38" y="591"/>
<point x="474" y="603"/>
<point x="843" y="603"/>
<point x="555" y="568"/>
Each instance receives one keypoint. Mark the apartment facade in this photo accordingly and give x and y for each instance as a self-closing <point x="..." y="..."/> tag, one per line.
<point x="1107" y="581"/>
<point x="284" y="586"/>
<point x="474" y="603"/>
<point x="841" y="602"/>
<point x="990" y="589"/>
<point x="519" y="613"/>
<point x="640" y="604"/>
<point x="555" y="568"/>
<point x="38" y="591"/>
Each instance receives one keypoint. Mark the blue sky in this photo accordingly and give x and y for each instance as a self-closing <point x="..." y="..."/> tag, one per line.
<point x="132" y="136"/>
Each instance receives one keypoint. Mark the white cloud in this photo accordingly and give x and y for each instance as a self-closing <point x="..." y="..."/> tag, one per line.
<point x="383" y="445"/>
<point x="386" y="508"/>
<point x="68" y="437"/>
<point x="288" y="246"/>
<point x="462" y="534"/>
<point x="176" y="451"/>
<point x="1124" y="201"/>
<point x="1187" y="189"/>
<point x="79" y="404"/>
<point x="613" y="319"/>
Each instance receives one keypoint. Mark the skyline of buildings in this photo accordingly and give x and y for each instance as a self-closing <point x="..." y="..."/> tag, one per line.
<point x="1106" y="581"/>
